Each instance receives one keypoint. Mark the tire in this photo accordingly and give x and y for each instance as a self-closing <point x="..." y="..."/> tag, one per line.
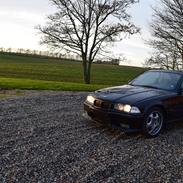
<point x="154" y="122"/>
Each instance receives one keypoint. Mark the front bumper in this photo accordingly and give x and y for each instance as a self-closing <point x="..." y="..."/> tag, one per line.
<point x="127" y="122"/>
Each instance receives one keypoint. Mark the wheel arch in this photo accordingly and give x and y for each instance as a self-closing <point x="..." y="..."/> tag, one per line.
<point x="160" y="106"/>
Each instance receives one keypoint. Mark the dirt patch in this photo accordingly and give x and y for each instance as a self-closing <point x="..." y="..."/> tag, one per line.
<point x="11" y="93"/>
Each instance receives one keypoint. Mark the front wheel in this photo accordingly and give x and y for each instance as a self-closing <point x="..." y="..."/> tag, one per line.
<point x="154" y="122"/>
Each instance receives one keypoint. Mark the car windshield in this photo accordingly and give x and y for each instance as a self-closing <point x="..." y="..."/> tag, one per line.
<point x="157" y="79"/>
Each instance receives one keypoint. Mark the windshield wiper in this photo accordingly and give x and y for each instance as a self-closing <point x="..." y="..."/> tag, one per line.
<point x="147" y="86"/>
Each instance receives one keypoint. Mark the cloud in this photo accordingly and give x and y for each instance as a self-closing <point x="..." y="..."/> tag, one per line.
<point x="22" y="17"/>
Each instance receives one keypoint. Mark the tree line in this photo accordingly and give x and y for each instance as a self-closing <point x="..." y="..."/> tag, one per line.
<point x="30" y="52"/>
<point x="113" y="60"/>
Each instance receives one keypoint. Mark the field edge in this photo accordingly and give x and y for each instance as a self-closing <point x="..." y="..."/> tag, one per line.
<point x="28" y="84"/>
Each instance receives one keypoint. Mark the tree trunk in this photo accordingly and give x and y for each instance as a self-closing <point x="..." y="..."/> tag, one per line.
<point x="173" y="66"/>
<point x="85" y="75"/>
<point x="89" y="72"/>
<point x="86" y="71"/>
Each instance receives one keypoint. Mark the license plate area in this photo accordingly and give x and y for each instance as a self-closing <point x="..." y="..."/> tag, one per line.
<point x="101" y="117"/>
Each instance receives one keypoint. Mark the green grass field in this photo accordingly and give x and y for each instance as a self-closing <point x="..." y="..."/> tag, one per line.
<point x="25" y="72"/>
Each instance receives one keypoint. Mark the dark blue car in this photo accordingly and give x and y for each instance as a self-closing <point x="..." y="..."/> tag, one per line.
<point x="146" y="104"/>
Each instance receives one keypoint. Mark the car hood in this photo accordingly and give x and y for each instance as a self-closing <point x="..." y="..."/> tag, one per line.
<point x="129" y="94"/>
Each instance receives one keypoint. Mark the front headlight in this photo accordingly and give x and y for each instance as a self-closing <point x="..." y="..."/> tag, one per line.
<point x="127" y="108"/>
<point x="90" y="99"/>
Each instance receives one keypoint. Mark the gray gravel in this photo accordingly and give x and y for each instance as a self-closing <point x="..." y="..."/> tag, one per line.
<point x="44" y="137"/>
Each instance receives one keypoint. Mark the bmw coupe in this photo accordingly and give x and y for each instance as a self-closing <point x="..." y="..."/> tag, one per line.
<point x="146" y="104"/>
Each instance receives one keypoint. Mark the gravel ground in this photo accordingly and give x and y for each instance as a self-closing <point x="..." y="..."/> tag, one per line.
<point x="44" y="137"/>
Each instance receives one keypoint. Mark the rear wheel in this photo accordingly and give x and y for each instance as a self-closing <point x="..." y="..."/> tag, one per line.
<point x="154" y="122"/>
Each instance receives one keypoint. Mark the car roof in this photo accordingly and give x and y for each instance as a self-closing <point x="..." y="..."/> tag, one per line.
<point x="168" y="71"/>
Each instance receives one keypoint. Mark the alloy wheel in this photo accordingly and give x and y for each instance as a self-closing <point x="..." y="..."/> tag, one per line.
<point x="154" y="123"/>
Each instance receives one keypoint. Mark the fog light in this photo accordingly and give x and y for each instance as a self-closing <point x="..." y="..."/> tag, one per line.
<point x="124" y="125"/>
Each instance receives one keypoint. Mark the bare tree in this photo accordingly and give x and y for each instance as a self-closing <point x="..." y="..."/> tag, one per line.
<point x="166" y="55"/>
<point x="86" y="27"/>
<point x="167" y="29"/>
<point x="164" y="61"/>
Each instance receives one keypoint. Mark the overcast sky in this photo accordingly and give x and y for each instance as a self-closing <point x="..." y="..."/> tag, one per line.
<point x="18" y="19"/>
